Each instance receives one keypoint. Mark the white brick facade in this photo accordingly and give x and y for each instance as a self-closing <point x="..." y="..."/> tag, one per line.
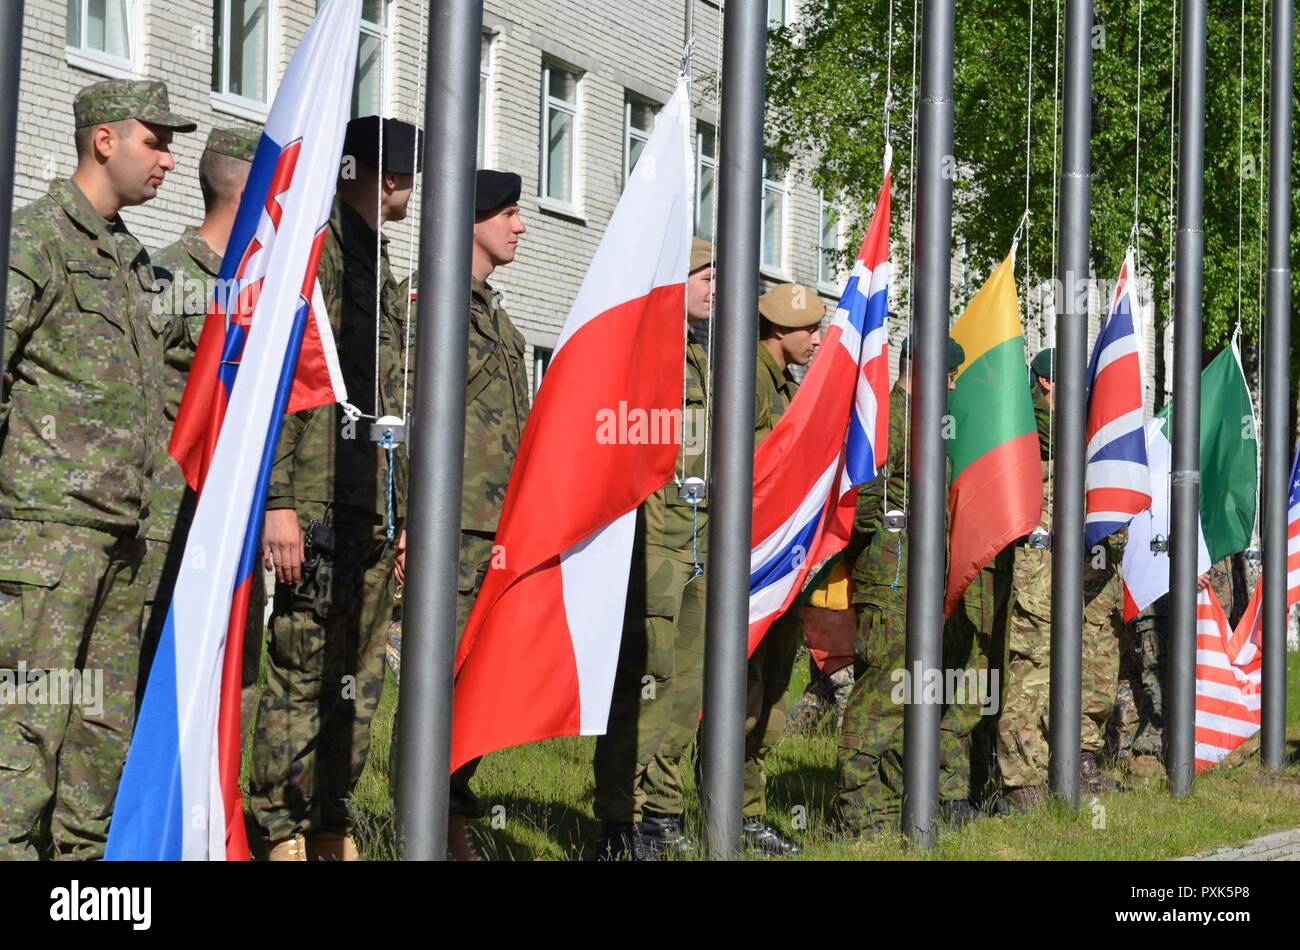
<point x="616" y="46"/>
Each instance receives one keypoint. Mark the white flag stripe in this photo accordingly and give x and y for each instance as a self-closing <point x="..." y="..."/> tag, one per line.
<point x="1118" y="472"/>
<point x="1121" y="425"/>
<point x="809" y="506"/>
<point x="1233" y="727"/>
<point x="1211" y="753"/>
<point x="1117" y="349"/>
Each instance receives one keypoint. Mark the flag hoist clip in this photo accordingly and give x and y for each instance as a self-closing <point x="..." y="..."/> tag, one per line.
<point x="895" y="521"/>
<point x="388" y="431"/>
<point x="1040" y="539"/>
<point x="1160" y="544"/>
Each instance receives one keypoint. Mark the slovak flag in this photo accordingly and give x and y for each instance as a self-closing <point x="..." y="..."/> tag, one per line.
<point x="266" y="348"/>
<point x="833" y="438"/>
<point x="1117" y="483"/>
<point x="538" y="654"/>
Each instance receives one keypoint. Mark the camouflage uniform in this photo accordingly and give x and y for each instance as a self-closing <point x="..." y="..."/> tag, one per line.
<point x="659" y="683"/>
<point x="325" y="668"/>
<point x="871" y="734"/>
<point x="1023" y="725"/>
<point x="185" y="272"/>
<point x="79" y="428"/>
<point x="772" y="661"/>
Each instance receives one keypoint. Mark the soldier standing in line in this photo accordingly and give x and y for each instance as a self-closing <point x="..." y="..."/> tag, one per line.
<point x="187" y="272"/>
<point x="80" y="421"/>
<point x="789" y="330"/>
<point x="334" y="512"/>
<point x="1023" y="726"/>
<point x="659" y="682"/>
<point x="871" y="734"/>
<point x="496" y="406"/>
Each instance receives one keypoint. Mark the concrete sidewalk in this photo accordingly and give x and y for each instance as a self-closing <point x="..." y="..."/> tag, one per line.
<point x="1281" y="846"/>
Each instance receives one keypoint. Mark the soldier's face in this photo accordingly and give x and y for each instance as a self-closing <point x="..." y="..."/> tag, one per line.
<point x="799" y="345"/>
<point x="699" y="294"/>
<point x="497" y="233"/>
<point x="137" y="159"/>
<point x="397" y="195"/>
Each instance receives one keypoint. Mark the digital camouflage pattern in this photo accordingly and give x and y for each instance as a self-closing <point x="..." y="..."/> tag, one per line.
<point x="117" y="99"/>
<point x="81" y="332"/>
<point x="659" y="681"/>
<point x="325" y="669"/>
<point x="880" y="556"/>
<point x="770" y="666"/>
<point x="235" y="142"/>
<point x="79" y="423"/>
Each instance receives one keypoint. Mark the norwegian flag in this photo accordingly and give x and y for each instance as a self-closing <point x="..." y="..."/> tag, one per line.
<point x="833" y="438"/>
<point x="1117" y="482"/>
<point x="540" y="648"/>
<point x="266" y="349"/>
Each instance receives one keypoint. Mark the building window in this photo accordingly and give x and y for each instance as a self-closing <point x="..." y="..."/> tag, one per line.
<point x="706" y="173"/>
<point x="102" y="35"/>
<point x="559" y="134"/>
<point x="774" y="214"/>
<point x="241" y="32"/>
<point x="374" y="75"/>
<point x="778" y="14"/>
<point x="541" y="362"/>
<point x="830" y="244"/>
<point x="638" y="123"/>
<point x="484" y="107"/>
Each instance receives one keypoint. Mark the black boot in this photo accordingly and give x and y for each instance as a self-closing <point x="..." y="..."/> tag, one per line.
<point x="1091" y="779"/>
<point x="762" y="838"/>
<point x="619" y="841"/>
<point x="957" y="812"/>
<point x="665" y="835"/>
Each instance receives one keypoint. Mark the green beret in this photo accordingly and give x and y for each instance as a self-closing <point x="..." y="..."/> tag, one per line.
<point x="1044" y="363"/>
<point x="956" y="355"/>
<point x="237" y="143"/>
<point x="118" y="99"/>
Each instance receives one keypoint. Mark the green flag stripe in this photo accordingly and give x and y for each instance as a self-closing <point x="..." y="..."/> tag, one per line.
<point x="990" y="405"/>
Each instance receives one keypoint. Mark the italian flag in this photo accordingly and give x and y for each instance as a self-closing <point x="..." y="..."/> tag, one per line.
<point x="997" y="477"/>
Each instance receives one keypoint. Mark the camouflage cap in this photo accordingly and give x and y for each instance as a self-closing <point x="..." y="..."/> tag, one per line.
<point x="237" y="143"/>
<point x="118" y="99"/>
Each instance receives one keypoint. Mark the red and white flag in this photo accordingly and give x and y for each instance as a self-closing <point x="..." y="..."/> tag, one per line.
<point x="538" y="654"/>
<point x="1227" y="679"/>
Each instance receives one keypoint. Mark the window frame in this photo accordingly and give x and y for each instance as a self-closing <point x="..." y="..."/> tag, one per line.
<point x="828" y="286"/>
<point x="574" y="110"/>
<point x="381" y="31"/>
<point x="106" y="64"/>
<point x="701" y="162"/>
<point x="631" y="98"/>
<point x="241" y="106"/>
<point x="781" y="269"/>
<point x="787" y="15"/>
<point x="487" y="60"/>
<point x="541" y="362"/>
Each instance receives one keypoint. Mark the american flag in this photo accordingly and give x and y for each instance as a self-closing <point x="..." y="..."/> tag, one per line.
<point x="1117" y="483"/>
<point x="1228" y="668"/>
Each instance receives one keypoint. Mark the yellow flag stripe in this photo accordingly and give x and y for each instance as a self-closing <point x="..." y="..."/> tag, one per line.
<point x="992" y="317"/>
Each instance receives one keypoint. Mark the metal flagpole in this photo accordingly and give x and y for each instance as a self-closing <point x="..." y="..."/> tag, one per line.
<point x="1071" y="407"/>
<point x="1186" y="477"/>
<point x="438" y="435"/>
<point x="740" y="177"/>
<point x="1277" y="392"/>
<point x="11" y="27"/>
<point x="925" y="566"/>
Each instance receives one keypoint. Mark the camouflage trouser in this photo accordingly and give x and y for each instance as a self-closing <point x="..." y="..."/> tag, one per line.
<point x="1141" y="729"/>
<point x="1023" y="727"/>
<point x="324" y="677"/>
<point x="871" y="735"/>
<point x="767" y="692"/>
<point x="823" y="694"/>
<point x="658" y="687"/>
<point x="70" y="600"/>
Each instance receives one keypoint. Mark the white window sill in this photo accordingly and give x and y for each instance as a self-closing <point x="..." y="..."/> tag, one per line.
<point x="240" y="107"/>
<point x="100" y="64"/>
<point x="830" y="290"/>
<point x="561" y="210"/>
<point x="771" y="273"/>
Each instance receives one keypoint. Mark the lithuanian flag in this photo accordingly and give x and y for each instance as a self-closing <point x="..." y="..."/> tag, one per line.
<point x="996" y="494"/>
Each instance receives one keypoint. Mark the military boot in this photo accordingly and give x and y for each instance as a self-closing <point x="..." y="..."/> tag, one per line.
<point x="762" y="838"/>
<point x="665" y="835"/>
<point x="957" y="812"/>
<point x="1091" y="779"/>
<point x="291" y="849"/>
<point x="460" y="840"/>
<point x="619" y="841"/>
<point x="1017" y="801"/>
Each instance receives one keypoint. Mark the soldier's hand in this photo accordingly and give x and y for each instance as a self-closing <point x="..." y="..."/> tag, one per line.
<point x="401" y="558"/>
<point x="282" y="541"/>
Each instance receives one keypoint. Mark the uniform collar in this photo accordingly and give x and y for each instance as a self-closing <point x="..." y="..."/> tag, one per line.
<point x="483" y="290"/>
<point x="779" y="375"/>
<point x="78" y="207"/>
<point x="347" y="218"/>
<point x="200" y="251"/>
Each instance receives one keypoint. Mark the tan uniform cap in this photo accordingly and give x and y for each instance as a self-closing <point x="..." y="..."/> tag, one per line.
<point x="791" y="306"/>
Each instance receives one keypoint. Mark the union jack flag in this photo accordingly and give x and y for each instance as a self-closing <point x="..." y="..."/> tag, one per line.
<point x="1117" y="483"/>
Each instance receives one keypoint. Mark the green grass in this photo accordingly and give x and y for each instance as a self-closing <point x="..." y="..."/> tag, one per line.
<point x="540" y="802"/>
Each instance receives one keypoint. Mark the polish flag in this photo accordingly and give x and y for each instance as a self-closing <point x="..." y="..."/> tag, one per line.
<point x="539" y="650"/>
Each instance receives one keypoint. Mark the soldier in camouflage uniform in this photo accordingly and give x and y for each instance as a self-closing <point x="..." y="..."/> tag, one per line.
<point x="80" y="421"/>
<point x="186" y="272"/>
<point x="334" y="510"/>
<point x="789" y="330"/>
<point x="659" y="682"/>
<point x="496" y="407"/>
<point x="871" y="734"/>
<point x="1023" y="726"/>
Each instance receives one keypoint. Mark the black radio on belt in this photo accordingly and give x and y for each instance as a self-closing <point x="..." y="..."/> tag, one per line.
<point x="319" y="541"/>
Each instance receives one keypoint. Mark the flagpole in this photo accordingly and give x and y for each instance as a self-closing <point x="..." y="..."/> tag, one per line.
<point x="744" y="59"/>
<point x="1277" y="390"/>
<point x="1071" y="408"/>
<point x="11" y="25"/>
<point x="1185" y="477"/>
<point x="438" y="437"/>
<point x="926" y="529"/>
